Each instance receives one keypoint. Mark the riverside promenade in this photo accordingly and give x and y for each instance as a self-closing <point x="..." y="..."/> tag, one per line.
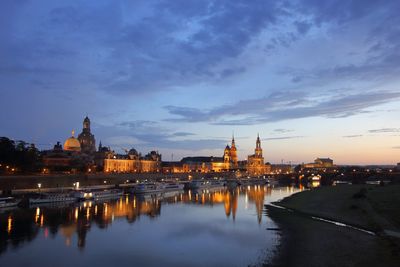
<point x="18" y="182"/>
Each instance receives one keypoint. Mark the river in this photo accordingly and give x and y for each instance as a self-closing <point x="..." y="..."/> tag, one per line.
<point x="217" y="227"/>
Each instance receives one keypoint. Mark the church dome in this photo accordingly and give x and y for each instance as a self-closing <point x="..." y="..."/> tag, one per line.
<point x="133" y="152"/>
<point x="72" y="144"/>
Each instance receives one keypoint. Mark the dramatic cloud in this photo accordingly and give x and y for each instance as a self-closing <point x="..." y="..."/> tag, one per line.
<point x="163" y="74"/>
<point x="283" y="106"/>
<point x="152" y="135"/>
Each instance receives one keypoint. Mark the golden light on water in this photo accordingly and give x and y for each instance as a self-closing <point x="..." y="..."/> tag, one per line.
<point x="76" y="215"/>
<point x="37" y="215"/>
<point x="9" y="224"/>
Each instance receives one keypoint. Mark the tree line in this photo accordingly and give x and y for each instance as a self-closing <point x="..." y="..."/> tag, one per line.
<point x="18" y="156"/>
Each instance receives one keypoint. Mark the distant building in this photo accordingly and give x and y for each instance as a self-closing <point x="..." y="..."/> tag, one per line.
<point x="320" y="163"/>
<point x="86" y="138"/>
<point x="206" y="164"/>
<point x="281" y="168"/>
<point x="230" y="158"/>
<point x="72" y="144"/>
<point x="56" y="159"/>
<point x="255" y="162"/>
<point x="133" y="162"/>
<point x="66" y="159"/>
<point x="229" y="161"/>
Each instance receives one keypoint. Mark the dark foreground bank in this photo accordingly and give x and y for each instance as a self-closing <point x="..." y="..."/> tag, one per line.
<point x="309" y="242"/>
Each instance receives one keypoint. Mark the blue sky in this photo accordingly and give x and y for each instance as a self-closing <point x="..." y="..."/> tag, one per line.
<point x="314" y="78"/>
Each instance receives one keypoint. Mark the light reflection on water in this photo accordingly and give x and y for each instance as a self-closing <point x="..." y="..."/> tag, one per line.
<point x="217" y="227"/>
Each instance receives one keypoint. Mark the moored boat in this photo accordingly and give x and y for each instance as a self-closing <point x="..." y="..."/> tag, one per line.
<point x="173" y="186"/>
<point x="98" y="194"/>
<point x="51" y="198"/>
<point x="107" y="194"/>
<point x="199" y="184"/>
<point x="8" y="202"/>
<point x="144" y="188"/>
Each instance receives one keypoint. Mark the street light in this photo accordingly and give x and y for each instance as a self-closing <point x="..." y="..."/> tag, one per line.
<point x="39" y="186"/>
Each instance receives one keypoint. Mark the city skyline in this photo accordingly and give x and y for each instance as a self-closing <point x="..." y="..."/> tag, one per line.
<point x="313" y="79"/>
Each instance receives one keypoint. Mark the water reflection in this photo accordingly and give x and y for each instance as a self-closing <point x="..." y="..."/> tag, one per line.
<point x="74" y="221"/>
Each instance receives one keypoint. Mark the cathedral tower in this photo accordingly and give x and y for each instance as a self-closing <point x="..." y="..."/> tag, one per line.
<point x="258" y="150"/>
<point x="86" y="138"/>
<point x="227" y="154"/>
<point x="234" y="157"/>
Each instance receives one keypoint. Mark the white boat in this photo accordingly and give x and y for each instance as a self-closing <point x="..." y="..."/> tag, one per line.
<point x="8" y="202"/>
<point x="83" y="194"/>
<point x="198" y="184"/>
<point x="145" y="188"/>
<point x="51" y="198"/>
<point x="173" y="186"/>
<point x="107" y="194"/>
<point x="98" y="194"/>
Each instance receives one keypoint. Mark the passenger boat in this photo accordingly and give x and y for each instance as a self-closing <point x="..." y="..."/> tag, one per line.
<point x="199" y="184"/>
<point x="98" y="194"/>
<point x="107" y="194"/>
<point x="173" y="186"/>
<point x="8" y="202"/>
<point x="145" y="188"/>
<point x="51" y="198"/>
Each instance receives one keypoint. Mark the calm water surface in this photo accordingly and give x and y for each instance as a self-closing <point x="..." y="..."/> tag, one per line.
<point x="218" y="227"/>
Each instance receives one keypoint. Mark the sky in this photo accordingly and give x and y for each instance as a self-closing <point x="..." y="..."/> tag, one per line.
<point x="313" y="78"/>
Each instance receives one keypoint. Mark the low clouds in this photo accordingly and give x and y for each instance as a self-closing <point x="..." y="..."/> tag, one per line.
<point x="385" y="130"/>
<point x="284" y="106"/>
<point x="279" y="131"/>
<point x="152" y="135"/>
<point x="283" y="138"/>
<point x="353" y="136"/>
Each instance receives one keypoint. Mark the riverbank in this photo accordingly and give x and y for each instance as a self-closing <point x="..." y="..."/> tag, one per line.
<point x="9" y="183"/>
<point x="309" y="242"/>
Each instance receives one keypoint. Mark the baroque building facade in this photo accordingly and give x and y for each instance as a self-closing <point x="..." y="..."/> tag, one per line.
<point x="255" y="162"/>
<point x="133" y="162"/>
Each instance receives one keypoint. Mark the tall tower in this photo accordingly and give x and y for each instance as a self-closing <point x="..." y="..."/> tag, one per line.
<point x="227" y="154"/>
<point x="86" y="138"/>
<point x="258" y="150"/>
<point x="234" y="157"/>
<point x="86" y="124"/>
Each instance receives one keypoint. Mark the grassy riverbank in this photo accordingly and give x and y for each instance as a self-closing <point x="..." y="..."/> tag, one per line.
<point x="307" y="242"/>
<point x="372" y="207"/>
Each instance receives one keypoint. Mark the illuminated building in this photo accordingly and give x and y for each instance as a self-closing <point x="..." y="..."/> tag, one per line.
<point x="234" y="157"/>
<point x="320" y="163"/>
<point x="72" y="144"/>
<point x="133" y="162"/>
<point x="255" y="162"/>
<point x="227" y="162"/>
<point x="76" y="154"/>
<point x="205" y="164"/>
